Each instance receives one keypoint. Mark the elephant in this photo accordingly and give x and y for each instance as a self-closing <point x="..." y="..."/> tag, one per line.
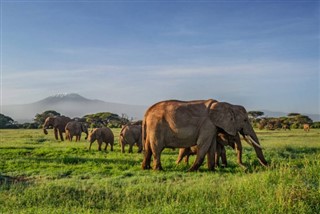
<point x="183" y="124"/>
<point x="130" y="134"/>
<point x="306" y="127"/>
<point x="222" y="141"/>
<point x="101" y="135"/>
<point x="58" y="123"/>
<point x="75" y="128"/>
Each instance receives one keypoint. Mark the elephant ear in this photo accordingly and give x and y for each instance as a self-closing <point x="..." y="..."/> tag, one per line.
<point x="222" y="115"/>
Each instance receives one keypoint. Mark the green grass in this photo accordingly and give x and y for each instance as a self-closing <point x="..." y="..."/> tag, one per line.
<point x="41" y="175"/>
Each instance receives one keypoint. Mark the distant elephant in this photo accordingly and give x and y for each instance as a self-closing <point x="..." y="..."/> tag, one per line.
<point x="101" y="135"/>
<point x="306" y="127"/>
<point x="222" y="141"/>
<point x="58" y="123"/>
<point x="75" y="128"/>
<point x="285" y="127"/>
<point x="183" y="124"/>
<point x="130" y="134"/>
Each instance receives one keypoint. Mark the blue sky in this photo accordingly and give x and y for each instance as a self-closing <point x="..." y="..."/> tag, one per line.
<point x="260" y="54"/>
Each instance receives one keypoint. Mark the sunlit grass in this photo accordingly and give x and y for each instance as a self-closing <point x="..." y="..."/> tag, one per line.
<point x="42" y="175"/>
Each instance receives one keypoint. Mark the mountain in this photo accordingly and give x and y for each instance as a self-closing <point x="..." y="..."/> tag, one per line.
<point x="71" y="105"/>
<point x="75" y="105"/>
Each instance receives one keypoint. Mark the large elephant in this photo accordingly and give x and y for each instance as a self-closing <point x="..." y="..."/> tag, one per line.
<point x="101" y="135"/>
<point x="130" y="134"/>
<point x="58" y="123"/>
<point x="182" y="124"/>
<point x="75" y="128"/>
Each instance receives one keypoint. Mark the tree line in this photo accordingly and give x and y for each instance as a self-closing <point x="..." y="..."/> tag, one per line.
<point x="258" y="120"/>
<point x="93" y="120"/>
<point x="291" y="121"/>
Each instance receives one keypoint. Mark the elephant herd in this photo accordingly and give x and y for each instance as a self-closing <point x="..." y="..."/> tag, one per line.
<point x="130" y="134"/>
<point x="200" y="127"/>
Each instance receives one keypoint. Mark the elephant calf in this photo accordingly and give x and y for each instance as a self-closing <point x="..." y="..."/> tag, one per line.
<point x="101" y="135"/>
<point x="75" y="128"/>
<point x="222" y="141"/>
<point x="131" y="134"/>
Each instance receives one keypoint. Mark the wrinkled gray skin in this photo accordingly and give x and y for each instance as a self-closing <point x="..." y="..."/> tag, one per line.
<point x="101" y="135"/>
<point x="181" y="124"/>
<point x="58" y="123"/>
<point x="222" y="141"/>
<point x="130" y="135"/>
<point x="75" y="128"/>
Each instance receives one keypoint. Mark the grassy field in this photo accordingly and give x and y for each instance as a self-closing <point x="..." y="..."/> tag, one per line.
<point x="41" y="175"/>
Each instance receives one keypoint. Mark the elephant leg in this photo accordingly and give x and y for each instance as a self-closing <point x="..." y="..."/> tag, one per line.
<point x="139" y="144"/>
<point x="217" y="155"/>
<point x="238" y="148"/>
<point x="122" y="148"/>
<point x="122" y="143"/>
<point x="223" y="156"/>
<point x="90" y="146"/>
<point x="156" y="149"/>
<point x="156" y="160"/>
<point x="105" y="148"/>
<point x="183" y="152"/>
<point x="211" y="154"/>
<point x="99" y="145"/>
<point x="204" y="144"/>
<point x="147" y="155"/>
<point x="130" y="148"/>
<point x="140" y="147"/>
<point x="61" y="135"/>
<point x="111" y="147"/>
<point x="56" y="133"/>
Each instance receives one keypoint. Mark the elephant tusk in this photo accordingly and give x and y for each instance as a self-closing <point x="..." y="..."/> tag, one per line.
<point x="254" y="142"/>
<point x="247" y="140"/>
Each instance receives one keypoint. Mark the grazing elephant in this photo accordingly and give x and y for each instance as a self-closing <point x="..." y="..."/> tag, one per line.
<point x="101" y="135"/>
<point x="222" y="141"/>
<point x="75" y="128"/>
<point x="306" y="127"/>
<point x="130" y="134"/>
<point x="285" y="127"/>
<point x="58" y="123"/>
<point x="183" y="124"/>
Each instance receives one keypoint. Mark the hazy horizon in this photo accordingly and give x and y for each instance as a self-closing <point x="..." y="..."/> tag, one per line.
<point x="263" y="55"/>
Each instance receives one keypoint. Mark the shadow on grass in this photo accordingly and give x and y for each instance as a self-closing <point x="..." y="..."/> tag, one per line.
<point x="17" y="148"/>
<point x="6" y="181"/>
<point x="294" y="152"/>
<point x="79" y="160"/>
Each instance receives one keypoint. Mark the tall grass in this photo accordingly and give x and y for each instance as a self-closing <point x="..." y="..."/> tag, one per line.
<point x="41" y="175"/>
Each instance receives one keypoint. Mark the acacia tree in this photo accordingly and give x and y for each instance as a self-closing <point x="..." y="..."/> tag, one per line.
<point x="255" y="114"/>
<point x="6" y="122"/>
<point x="40" y="118"/>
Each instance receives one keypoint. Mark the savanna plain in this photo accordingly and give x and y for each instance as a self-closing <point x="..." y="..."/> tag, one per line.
<point x="41" y="175"/>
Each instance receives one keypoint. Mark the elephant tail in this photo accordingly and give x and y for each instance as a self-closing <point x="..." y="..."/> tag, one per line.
<point x="143" y="133"/>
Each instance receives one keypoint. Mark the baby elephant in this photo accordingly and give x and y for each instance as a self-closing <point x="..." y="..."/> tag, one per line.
<point x="222" y="141"/>
<point x="101" y="135"/>
<point x="131" y="134"/>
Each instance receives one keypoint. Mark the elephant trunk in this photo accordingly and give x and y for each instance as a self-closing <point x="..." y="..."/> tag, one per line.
<point x="45" y="131"/>
<point x="86" y="135"/>
<point x="253" y="140"/>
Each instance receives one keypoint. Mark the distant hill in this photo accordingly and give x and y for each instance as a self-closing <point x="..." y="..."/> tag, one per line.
<point x="72" y="105"/>
<point x="75" y="105"/>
